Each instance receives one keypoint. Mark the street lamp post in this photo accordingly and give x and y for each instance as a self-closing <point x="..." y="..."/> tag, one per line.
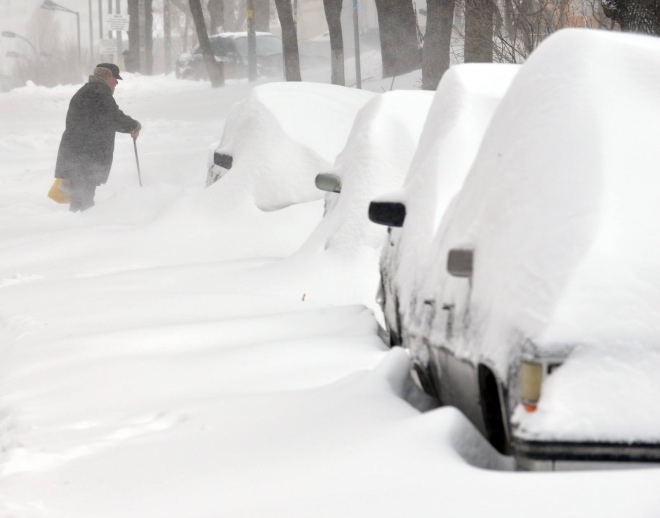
<point x="49" y="5"/>
<point x="10" y="34"/>
<point x="15" y="55"/>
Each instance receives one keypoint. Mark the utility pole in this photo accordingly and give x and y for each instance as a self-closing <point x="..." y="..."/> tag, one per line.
<point x="167" y="30"/>
<point x="356" y="36"/>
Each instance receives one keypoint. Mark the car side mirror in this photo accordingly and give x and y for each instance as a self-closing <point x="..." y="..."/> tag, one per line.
<point x="223" y="160"/>
<point x="328" y="182"/>
<point x="460" y="262"/>
<point x="388" y="213"/>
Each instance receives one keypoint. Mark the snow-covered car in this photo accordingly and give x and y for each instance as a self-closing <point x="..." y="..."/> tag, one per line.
<point x="540" y="321"/>
<point x="375" y="159"/>
<point x="230" y="48"/>
<point x="282" y="135"/>
<point x="464" y="103"/>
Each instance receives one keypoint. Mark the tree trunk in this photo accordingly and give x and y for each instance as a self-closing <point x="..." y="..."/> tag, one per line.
<point x="478" y="31"/>
<point x="333" y="17"/>
<point x="149" y="39"/>
<point x="132" y="60"/>
<point x="216" y="15"/>
<point x="399" y="44"/>
<point x="214" y="69"/>
<point x="262" y="15"/>
<point x="634" y="15"/>
<point x="289" y="40"/>
<point x="134" y="54"/>
<point x="437" y="41"/>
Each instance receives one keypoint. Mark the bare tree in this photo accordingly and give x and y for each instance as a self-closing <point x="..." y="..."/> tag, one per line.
<point x="479" y="31"/>
<point x="634" y="15"/>
<point x="216" y="10"/>
<point x="135" y="54"/>
<point x="214" y="69"/>
<point x="517" y="27"/>
<point x="289" y="40"/>
<point x="399" y="44"/>
<point x="437" y="42"/>
<point x="333" y="17"/>
<point x="262" y="15"/>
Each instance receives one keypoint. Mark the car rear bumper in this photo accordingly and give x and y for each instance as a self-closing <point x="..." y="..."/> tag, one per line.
<point x="553" y="455"/>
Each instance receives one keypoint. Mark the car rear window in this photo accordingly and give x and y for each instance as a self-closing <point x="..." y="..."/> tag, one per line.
<point x="266" y="45"/>
<point x="222" y="46"/>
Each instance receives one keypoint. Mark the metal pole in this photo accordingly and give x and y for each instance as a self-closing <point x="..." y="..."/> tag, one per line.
<point x="100" y="27"/>
<point x="79" y="51"/>
<point x="137" y="161"/>
<point x="251" y="42"/>
<point x="91" y="36"/>
<point x="356" y="37"/>
<point x="120" y="45"/>
<point x="110" y="31"/>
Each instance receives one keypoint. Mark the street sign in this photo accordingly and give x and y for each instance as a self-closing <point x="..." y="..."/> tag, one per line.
<point x="117" y="22"/>
<point x="108" y="46"/>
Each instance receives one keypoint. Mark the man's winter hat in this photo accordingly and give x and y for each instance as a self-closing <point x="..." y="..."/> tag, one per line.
<point x="112" y="67"/>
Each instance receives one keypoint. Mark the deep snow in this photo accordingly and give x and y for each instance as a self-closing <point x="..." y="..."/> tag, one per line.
<point x="159" y="356"/>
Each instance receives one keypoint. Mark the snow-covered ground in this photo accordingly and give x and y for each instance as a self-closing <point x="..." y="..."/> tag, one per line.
<point x="160" y="356"/>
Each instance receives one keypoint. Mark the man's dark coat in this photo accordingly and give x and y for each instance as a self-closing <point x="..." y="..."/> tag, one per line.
<point x="88" y="141"/>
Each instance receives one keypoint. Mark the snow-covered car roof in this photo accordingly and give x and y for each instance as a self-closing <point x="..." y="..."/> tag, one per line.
<point x="243" y="34"/>
<point x="562" y="197"/>
<point x="464" y="103"/>
<point x="375" y="160"/>
<point x="284" y="133"/>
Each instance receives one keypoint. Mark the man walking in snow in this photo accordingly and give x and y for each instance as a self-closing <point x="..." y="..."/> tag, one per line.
<point x="85" y="155"/>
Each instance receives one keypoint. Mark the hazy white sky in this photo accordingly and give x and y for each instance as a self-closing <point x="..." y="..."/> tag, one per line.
<point x="15" y="16"/>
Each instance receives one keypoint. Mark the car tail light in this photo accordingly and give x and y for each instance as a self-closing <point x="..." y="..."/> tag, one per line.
<point x="531" y="377"/>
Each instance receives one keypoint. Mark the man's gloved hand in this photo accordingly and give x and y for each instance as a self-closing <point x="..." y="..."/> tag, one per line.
<point x="136" y="132"/>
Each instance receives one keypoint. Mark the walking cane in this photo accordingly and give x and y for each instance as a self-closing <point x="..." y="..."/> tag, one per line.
<point x="137" y="161"/>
